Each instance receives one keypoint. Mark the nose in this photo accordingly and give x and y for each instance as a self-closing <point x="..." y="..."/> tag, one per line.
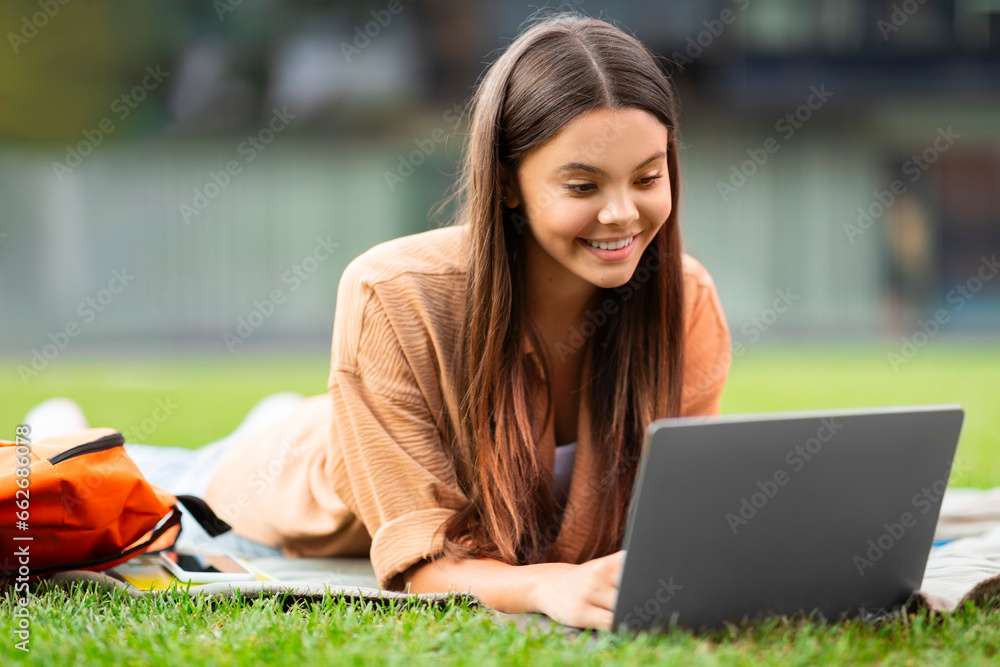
<point x="619" y="210"/>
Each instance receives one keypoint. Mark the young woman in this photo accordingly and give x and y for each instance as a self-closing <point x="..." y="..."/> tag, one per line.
<point x="491" y="381"/>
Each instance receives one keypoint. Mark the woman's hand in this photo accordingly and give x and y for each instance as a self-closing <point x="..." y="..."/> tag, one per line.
<point x="582" y="596"/>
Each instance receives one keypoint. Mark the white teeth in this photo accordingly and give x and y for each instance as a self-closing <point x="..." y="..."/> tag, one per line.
<point x="617" y="245"/>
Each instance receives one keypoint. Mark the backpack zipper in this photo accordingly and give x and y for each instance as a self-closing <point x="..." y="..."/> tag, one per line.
<point x="105" y="442"/>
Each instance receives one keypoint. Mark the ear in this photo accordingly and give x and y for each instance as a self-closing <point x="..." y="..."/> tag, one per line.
<point x="511" y="194"/>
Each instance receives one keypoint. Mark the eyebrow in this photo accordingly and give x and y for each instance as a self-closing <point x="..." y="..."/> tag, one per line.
<point x="580" y="166"/>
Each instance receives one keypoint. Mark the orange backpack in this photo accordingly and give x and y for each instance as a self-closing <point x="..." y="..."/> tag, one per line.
<point x="78" y="502"/>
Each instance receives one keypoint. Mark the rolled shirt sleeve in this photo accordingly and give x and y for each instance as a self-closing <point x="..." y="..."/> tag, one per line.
<point x="397" y="473"/>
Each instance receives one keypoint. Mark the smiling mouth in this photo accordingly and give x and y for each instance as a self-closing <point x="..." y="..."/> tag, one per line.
<point x="611" y="245"/>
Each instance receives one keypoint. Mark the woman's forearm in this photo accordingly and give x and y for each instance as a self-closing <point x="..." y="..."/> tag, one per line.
<point x="507" y="588"/>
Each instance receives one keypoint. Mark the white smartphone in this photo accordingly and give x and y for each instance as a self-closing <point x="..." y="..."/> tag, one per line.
<point x="205" y="568"/>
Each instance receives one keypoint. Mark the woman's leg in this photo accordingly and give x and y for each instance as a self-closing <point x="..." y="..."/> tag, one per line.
<point x="203" y="466"/>
<point x="181" y="470"/>
<point x="176" y="469"/>
<point x="55" y="417"/>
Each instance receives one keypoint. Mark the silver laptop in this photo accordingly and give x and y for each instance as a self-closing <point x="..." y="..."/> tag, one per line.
<point x="827" y="514"/>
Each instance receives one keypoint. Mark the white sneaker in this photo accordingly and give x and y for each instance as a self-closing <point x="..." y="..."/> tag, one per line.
<point x="55" y="416"/>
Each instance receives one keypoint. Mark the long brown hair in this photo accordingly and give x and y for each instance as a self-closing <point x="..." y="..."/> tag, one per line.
<point x="559" y="68"/>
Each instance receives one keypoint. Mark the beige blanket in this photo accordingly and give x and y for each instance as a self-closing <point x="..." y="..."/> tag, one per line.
<point x="967" y="569"/>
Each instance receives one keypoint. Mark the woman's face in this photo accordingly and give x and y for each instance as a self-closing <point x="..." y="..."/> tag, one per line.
<point x="600" y="181"/>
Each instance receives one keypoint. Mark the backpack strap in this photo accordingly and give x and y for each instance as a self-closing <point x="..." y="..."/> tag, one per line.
<point x="204" y="515"/>
<point x="171" y="520"/>
<point x="198" y="508"/>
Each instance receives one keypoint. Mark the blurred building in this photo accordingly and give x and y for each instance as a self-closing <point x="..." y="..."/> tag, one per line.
<point x="199" y="174"/>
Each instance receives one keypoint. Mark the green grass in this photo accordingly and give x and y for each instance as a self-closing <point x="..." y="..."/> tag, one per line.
<point x="803" y="378"/>
<point x="206" y="396"/>
<point x="83" y="627"/>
